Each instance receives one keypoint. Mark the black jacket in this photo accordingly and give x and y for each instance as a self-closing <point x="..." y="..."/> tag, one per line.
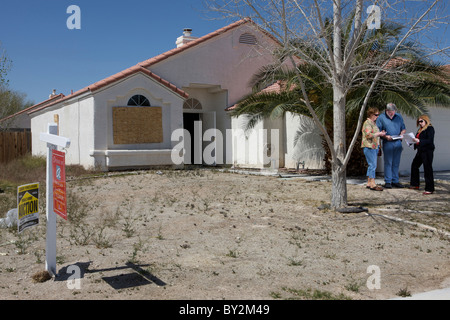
<point x="426" y="138"/>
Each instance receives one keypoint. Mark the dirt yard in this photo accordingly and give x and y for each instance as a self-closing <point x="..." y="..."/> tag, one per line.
<point x="207" y="234"/>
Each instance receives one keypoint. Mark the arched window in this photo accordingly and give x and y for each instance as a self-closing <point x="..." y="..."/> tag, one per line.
<point x="247" y="38"/>
<point x="192" y="103"/>
<point x="139" y="100"/>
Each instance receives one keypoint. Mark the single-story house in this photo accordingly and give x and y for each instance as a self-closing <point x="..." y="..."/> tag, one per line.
<point x="145" y="114"/>
<point x="131" y="119"/>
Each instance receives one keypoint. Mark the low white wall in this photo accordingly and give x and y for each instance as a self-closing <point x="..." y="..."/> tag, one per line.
<point x="115" y="159"/>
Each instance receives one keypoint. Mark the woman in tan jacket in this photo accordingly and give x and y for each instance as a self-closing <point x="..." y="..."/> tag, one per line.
<point x="370" y="144"/>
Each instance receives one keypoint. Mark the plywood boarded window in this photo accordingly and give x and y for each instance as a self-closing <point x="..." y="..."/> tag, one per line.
<point x="132" y="125"/>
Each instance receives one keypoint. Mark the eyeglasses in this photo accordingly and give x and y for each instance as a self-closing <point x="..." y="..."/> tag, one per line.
<point x="376" y="114"/>
<point x="421" y="121"/>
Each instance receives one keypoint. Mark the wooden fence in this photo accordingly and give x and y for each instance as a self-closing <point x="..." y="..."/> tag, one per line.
<point x="14" y="145"/>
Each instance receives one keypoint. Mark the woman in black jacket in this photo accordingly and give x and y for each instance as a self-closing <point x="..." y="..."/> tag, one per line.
<point x="424" y="144"/>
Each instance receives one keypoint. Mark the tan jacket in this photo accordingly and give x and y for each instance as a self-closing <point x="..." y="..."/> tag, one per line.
<point x="369" y="140"/>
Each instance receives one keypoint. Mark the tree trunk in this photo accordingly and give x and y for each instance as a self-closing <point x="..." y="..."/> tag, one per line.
<point x="338" y="188"/>
<point x="338" y="172"/>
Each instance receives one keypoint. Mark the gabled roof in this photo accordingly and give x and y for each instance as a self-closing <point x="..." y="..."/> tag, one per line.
<point x="141" y="67"/>
<point x="116" y="77"/>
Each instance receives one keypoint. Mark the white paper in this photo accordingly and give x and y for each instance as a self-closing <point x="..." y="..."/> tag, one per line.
<point x="396" y="137"/>
<point x="409" y="139"/>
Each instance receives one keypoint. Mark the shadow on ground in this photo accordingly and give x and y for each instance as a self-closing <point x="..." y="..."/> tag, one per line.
<point x="137" y="277"/>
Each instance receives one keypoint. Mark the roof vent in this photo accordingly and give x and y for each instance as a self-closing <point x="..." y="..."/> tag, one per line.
<point x="185" y="38"/>
<point x="247" y="38"/>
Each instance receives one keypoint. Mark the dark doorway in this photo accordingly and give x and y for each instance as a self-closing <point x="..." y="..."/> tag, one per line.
<point x="188" y="124"/>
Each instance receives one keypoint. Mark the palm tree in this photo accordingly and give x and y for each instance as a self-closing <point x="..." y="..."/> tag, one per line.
<point x="410" y="81"/>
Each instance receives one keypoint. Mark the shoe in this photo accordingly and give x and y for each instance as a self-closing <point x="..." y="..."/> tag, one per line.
<point x="397" y="185"/>
<point x="414" y="187"/>
<point x="387" y="186"/>
<point x="427" y="192"/>
<point x="376" y="188"/>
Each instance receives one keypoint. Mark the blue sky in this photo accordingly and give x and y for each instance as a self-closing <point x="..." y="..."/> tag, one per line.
<point x="114" y="35"/>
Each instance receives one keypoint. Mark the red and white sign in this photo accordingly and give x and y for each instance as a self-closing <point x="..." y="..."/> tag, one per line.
<point x="59" y="183"/>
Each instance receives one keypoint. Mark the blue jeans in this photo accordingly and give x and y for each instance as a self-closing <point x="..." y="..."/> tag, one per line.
<point x="392" y="153"/>
<point x="371" y="157"/>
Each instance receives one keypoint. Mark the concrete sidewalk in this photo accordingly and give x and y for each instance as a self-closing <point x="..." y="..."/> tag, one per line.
<point x="440" y="294"/>
<point x="438" y="175"/>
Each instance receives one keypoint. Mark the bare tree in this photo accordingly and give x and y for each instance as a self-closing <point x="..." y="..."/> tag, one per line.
<point x="329" y="34"/>
<point x="10" y="101"/>
<point x="5" y="65"/>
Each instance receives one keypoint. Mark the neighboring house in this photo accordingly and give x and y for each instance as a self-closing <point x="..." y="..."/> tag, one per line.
<point x="128" y="119"/>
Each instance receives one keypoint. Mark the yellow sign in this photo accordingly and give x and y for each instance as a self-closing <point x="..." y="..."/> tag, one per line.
<point x="28" y="206"/>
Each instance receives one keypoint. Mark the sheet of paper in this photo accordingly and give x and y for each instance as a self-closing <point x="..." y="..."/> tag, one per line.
<point x="409" y="139"/>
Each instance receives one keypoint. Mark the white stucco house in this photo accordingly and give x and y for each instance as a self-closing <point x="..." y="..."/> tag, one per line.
<point x="179" y="99"/>
<point x="129" y="119"/>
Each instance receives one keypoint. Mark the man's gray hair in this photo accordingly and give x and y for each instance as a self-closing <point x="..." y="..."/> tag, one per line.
<point x="391" y="106"/>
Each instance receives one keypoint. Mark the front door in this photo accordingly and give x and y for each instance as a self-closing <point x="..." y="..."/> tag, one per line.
<point x="196" y="124"/>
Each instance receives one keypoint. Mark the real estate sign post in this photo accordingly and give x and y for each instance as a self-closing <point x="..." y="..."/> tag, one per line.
<point x="53" y="141"/>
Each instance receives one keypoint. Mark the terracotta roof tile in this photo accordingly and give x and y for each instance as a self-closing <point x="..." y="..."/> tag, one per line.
<point x="276" y="87"/>
<point x="111" y="79"/>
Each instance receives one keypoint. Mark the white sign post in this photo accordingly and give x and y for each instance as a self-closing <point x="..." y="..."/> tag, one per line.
<point x="53" y="141"/>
